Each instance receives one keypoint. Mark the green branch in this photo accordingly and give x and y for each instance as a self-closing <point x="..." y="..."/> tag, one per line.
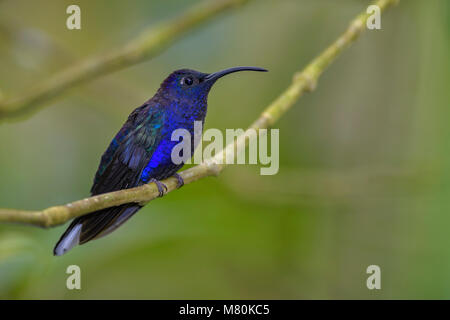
<point x="145" y="46"/>
<point x="302" y="82"/>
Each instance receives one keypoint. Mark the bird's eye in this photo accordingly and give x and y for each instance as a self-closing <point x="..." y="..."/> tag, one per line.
<point x="187" y="81"/>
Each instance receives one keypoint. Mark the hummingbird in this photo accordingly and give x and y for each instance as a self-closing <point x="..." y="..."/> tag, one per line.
<point x="141" y="151"/>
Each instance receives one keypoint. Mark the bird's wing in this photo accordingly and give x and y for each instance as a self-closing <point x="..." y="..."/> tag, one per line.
<point x="120" y="168"/>
<point x="129" y="152"/>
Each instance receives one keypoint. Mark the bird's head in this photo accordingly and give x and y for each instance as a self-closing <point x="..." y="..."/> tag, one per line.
<point x="194" y="85"/>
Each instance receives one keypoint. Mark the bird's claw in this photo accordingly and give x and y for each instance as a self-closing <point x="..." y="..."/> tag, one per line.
<point x="162" y="188"/>
<point x="180" y="180"/>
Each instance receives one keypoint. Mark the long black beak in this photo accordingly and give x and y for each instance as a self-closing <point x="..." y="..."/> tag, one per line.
<point x="216" y="75"/>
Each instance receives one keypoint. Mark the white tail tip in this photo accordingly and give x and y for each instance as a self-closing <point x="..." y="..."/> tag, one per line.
<point x="69" y="241"/>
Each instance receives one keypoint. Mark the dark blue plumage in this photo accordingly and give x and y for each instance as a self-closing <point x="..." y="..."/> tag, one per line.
<point x="141" y="151"/>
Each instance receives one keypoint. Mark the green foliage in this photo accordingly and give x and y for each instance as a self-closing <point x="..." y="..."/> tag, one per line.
<point x="364" y="160"/>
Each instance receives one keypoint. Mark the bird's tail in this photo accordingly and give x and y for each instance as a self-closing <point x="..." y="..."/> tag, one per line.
<point x="93" y="226"/>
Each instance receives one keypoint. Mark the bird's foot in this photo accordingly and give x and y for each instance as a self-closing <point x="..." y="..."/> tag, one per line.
<point x="162" y="188"/>
<point x="180" y="180"/>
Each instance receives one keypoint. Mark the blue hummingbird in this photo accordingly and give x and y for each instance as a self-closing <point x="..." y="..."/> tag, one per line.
<point x="141" y="151"/>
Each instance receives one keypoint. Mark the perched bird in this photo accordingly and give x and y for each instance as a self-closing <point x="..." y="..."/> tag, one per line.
<point x="141" y="151"/>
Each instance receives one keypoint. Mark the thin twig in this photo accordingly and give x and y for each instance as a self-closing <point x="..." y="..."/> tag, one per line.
<point x="145" y="46"/>
<point x="302" y="82"/>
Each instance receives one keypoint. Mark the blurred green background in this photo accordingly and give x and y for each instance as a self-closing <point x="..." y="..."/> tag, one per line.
<point x="364" y="160"/>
